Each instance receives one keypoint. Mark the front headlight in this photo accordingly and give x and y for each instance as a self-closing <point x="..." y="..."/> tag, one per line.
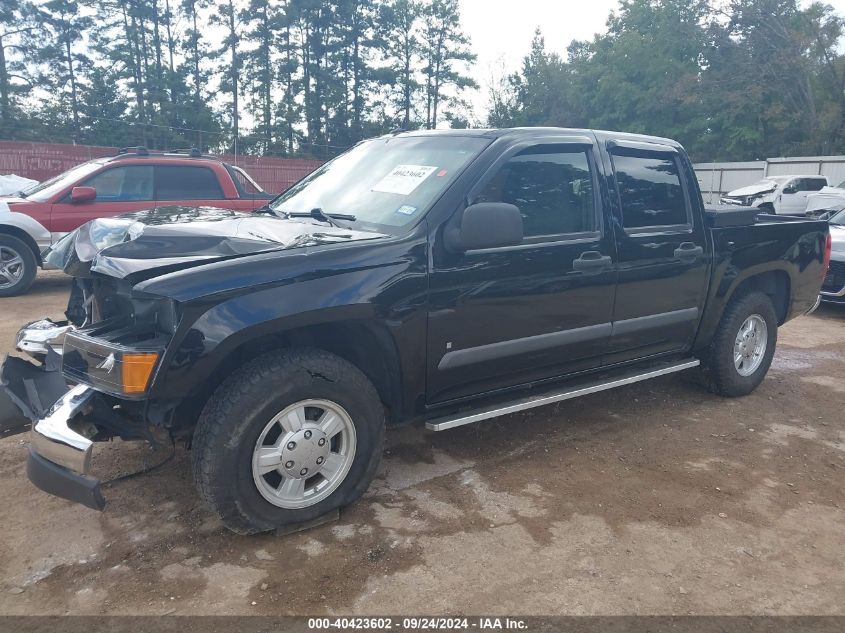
<point x="109" y="367"/>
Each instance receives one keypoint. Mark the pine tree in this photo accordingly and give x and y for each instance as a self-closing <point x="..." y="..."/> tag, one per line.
<point x="64" y="29"/>
<point x="260" y="28"/>
<point x="446" y="53"/>
<point x="400" y="21"/>
<point x="229" y="61"/>
<point x="17" y="26"/>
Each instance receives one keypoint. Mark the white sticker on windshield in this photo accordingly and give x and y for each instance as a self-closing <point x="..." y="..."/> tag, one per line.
<point x="403" y="179"/>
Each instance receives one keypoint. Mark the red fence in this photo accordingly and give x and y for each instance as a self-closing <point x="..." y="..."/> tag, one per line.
<point x="41" y="161"/>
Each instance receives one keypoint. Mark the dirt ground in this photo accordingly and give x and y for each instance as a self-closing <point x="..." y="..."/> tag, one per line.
<point x="658" y="498"/>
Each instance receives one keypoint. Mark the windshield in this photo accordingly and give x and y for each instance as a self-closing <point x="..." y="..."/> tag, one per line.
<point x="838" y="219"/>
<point x="43" y="191"/>
<point x="386" y="183"/>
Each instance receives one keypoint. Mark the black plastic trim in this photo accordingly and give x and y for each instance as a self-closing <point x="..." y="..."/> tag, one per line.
<point x="654" y="321"/>
<point x="512" y="347"/>
<point x="61" y="482"/>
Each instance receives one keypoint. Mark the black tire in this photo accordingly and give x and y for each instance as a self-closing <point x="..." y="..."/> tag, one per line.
<point x="232" y="421"/>
<point x="767" y="208"/>
<point x="29" y="266"/>
<point x="723" y="376"/>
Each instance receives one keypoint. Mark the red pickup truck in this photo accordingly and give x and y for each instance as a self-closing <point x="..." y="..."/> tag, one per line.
<point x="134" y="179"/>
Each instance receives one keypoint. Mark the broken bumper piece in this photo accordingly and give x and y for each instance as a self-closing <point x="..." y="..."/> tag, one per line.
<point x="28" y="391"/>
<point x="39" y="337"/>
<point x="60" y="457"/>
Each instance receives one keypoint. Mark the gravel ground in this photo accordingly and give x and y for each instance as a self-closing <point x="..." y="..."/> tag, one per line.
<point x="658" y="498"/>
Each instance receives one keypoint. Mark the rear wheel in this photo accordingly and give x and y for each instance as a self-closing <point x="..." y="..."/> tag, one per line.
<point x="18" y="266"/>
<point x="743" y="347"/>
<point x="286" y="439"/>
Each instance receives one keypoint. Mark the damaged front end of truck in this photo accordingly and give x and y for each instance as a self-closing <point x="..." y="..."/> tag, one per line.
<point x="89" y="378"/>
<point x="85" y="377"/>
<point x="81" y="384"/>
<point x="76" y="389"/>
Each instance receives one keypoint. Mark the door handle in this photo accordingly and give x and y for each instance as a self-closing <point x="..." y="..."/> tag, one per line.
<point x="592" y="262"/>
<point x="688" y="251"/>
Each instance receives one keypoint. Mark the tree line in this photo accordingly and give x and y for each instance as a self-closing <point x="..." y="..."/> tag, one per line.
<point x="285" y="77"/>
<point x="730" y="79"/>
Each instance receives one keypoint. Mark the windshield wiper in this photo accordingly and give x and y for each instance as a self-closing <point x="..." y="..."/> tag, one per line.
<point x="318" y="214"/>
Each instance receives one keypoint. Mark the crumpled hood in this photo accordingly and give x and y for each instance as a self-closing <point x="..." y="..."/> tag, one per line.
<point x="179" y="237"/>
<point x="750" y="190"/>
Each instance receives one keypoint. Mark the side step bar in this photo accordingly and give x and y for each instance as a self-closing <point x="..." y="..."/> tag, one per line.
<point x="451" y="421"/>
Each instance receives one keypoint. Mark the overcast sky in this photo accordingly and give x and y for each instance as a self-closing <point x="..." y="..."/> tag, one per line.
<point x="501" y="31"/>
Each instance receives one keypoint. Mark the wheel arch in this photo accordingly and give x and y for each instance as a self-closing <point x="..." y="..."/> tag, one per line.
<point x="367" y="345"/>
<point x="774" y="283"/>
<point x="26" y="238"/>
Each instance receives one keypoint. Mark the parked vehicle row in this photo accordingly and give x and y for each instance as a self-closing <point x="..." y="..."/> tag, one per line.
<point x="134" y="180"/>
<point x="790" y="195"/>
<point x="439" y="277"/>
<point x="783" y="195"/>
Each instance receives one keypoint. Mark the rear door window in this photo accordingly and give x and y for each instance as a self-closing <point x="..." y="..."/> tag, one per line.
<point x="650" y="191"/>
<point x="179" y="182"/>
<point x="811" y="184"/>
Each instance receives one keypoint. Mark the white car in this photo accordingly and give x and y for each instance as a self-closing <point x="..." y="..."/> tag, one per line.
<point x="784" y="195"/>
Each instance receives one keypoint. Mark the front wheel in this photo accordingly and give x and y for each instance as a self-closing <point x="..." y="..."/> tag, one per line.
<point x="286" y="439"/>
<point x="18" y="266"/>
<point x="742" y="349"/>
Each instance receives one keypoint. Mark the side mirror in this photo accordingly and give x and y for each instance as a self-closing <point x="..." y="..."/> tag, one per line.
<point x="485" y="225"/>
<point x="83" y="194"/>
<point x="790" y="189"/>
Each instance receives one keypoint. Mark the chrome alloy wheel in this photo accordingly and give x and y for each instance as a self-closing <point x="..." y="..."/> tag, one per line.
<point x="304" y="453"/>
<point x="11" y="267"/>
<point x="750" y="345"/>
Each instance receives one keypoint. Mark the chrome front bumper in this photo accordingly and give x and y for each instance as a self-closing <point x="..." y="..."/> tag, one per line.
<point x="60" y="457"/>
<point x="60" y="453"/>
<point x="53" y="439"/>
<point x="841" y="293"/>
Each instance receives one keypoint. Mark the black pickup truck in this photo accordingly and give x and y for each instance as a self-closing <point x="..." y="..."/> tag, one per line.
<point x="432" y="277"/>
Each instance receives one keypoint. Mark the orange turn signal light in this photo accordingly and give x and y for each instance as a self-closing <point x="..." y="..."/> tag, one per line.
<point x="137" y="369"/>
